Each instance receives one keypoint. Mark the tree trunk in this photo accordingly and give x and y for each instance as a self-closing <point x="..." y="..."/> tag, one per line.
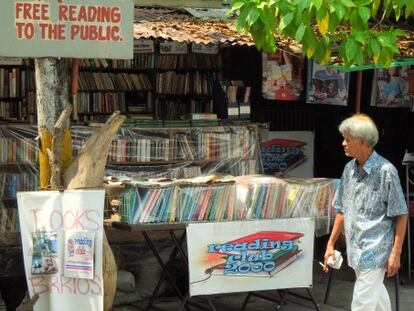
<point x="53" y="97"/>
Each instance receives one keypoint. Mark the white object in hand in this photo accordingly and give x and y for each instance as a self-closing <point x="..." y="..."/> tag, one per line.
<point x="337" y="262"/>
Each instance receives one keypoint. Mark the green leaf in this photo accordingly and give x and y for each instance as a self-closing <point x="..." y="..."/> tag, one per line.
<point x="359" y="57"/>
<point x="351" y="48"/>
<point x="359" y="36"/>
<point x="409" y="9"/>
<point x="333" y="22"/>
<point x="375" y="6"/>
<point x="286" y="20"/>
<point x="375" y="47"/>
<point x="348" y="3"/>
<point x="399" y="32"/>
<point x="237" y="5"/>
<point x="300" y="32"/>
<point x="253" y="15"/>
<point x="356" y="21"/>
<point x="317" y="4"/>
<point x="339" y="10"/>
<point x="384" y="40"/>
<point x="364" y="13"/>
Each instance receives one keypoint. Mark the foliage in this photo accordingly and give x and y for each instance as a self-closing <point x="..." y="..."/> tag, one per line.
<point x="352" y="30"/>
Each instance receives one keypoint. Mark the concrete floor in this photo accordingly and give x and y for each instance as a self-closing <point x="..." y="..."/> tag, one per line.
<point x="339" y="299"/>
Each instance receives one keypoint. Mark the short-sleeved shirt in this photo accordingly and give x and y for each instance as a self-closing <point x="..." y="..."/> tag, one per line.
<point x="369" y="199"/>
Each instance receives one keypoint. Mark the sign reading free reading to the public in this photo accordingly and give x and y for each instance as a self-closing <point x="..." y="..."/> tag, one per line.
<point x="67" y="28"/>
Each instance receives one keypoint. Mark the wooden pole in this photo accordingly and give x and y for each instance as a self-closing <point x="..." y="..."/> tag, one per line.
<point x="358" y="92"/>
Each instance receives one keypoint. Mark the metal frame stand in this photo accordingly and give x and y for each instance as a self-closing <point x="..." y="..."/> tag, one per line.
<point x="283" y="293"/>
<point x="178" y="249"/>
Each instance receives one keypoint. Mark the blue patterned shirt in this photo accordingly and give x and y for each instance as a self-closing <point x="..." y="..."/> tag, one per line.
<point x="369" y="199"/>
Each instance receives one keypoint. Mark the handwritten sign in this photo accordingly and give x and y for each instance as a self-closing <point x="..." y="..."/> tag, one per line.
<point x="211" y="48"/>
<point x="240" y="256"/>
<point x="67" y="28"/>
<point x="63" y="212"/>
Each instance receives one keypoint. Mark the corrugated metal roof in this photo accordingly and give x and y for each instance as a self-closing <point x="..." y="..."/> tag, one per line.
<point x="180" y="25"/>
<point x="176" y="25"/>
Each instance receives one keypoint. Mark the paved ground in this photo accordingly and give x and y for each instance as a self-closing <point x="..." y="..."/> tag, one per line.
<point x="339" y="298"/>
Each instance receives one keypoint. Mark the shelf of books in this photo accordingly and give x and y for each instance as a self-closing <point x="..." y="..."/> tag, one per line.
<point x="180" y="152"/>
<point x="18" y="170"/>
<point x="210" y="198"/>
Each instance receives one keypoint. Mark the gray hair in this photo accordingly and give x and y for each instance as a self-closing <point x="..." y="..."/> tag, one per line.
<point x="360" y="126"/>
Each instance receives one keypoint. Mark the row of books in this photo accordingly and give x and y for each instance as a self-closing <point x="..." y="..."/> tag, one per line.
<point x="101" y="102"/>
<point x="139" y="61"/>
<point x="12" y="82"/>
<point x="10" y="183"/>
<point x="8" y="220"/>
<point x="15" y="110"/>
<point x="171" y="82"/>
<point x="241" y="198"/>
<point x="173" y="109"/>
<point x="17" y="149"/>
<point x="188" y="61"/>
<point x="121" y="81"/>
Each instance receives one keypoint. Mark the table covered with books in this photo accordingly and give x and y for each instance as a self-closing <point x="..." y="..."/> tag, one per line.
<point x="285" y="215"/>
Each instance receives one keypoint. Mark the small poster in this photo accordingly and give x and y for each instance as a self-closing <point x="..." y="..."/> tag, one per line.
<point x="173" y="47"/>
<point x="325" y="85"/>
<point x="45" y="253"/>
<point x="282" y="76"/>
<point x="79" y="251"/>
<point x="287" y="153"/>
<point x="393" y="87"/>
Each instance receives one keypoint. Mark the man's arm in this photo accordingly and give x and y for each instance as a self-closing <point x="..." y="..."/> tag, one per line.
<point x="394" y="259"/>
<point x="336" y="231"/>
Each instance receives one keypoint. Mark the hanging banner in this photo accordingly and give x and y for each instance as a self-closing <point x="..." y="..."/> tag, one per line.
<point x="287" y="153"/>
<point x="282" y="76"/>
<point x="241" y="256"/>
<point x="70" y="28"/>
<point x="48" y="220"/>
<point x="326" y="85"/>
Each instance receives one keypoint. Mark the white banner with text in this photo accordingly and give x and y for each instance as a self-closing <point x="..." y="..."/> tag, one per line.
<point x="61" y="232"/>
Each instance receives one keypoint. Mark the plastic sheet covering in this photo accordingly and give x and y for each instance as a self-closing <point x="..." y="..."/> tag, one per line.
<point x="210" y="198"/>
<point x="18" y="170"/>
<point x="142" y="153"/>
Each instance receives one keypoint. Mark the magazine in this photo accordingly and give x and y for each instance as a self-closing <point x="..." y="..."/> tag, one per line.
<point x="79" y="253"/>
<point x="45" y="252"/>
<point x="326" y="85"/>
<point x="391" y="87"/>
<point x="282" y="76"/>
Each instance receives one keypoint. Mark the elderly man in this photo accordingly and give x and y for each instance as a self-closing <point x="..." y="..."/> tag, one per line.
<point x="371" y="208"/>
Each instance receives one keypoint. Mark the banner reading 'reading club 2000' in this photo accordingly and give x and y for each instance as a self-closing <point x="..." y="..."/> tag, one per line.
<point x="250" y="255"/>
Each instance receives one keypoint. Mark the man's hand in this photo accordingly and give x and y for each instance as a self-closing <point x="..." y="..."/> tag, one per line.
<point x="330" y="252"/>
<point x="393" y="264"/>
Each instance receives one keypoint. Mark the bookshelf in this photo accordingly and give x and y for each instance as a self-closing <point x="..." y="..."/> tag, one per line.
<point x="13" y="87"/>
<point x="106" y="86"/>
<point x="18" y="170"/>
<point x="180" y="152"/>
